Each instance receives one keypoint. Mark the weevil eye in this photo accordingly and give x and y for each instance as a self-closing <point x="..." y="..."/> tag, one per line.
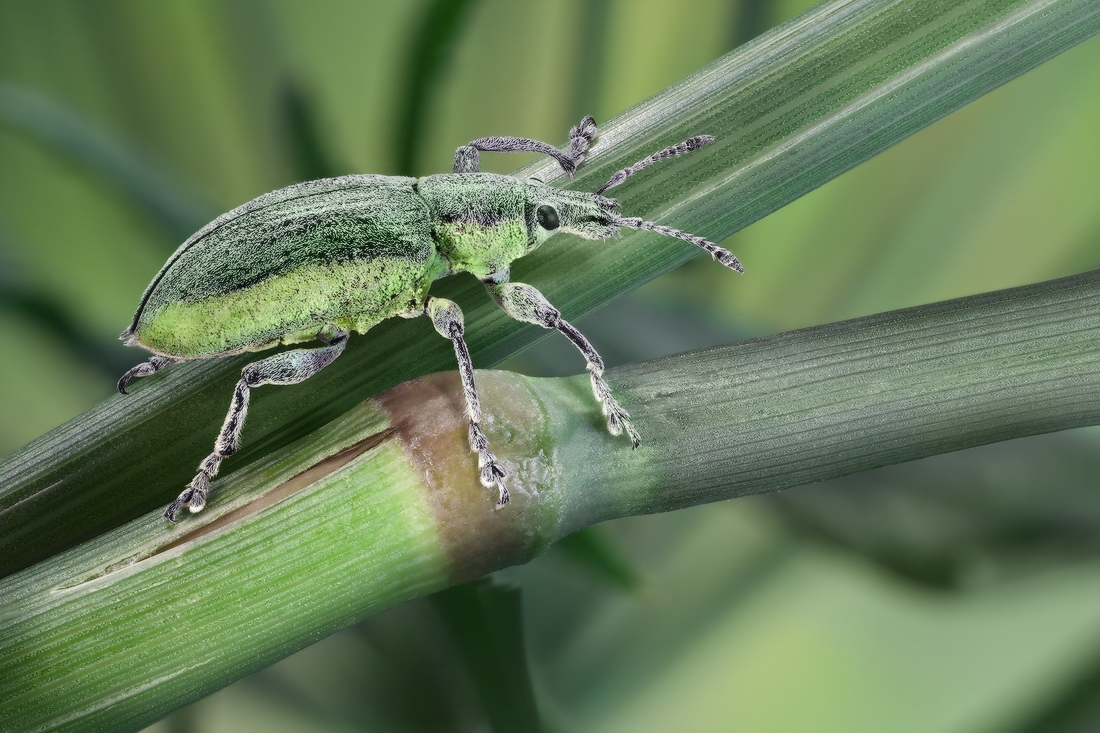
<point x="547" y="217"/>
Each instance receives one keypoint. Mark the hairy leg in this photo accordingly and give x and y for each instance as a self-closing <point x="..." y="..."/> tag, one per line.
<point x="467" y="159"/>
<point x="447" y="319"/>
<point x="289" y="367"/>
<point x="525" y="303"/>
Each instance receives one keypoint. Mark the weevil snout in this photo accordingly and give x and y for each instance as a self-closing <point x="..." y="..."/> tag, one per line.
<point x="593" y="218"/>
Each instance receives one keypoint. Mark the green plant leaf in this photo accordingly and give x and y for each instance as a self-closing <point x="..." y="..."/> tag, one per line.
<point x="75" y="140"/>
<point x="590" y="550"/>
<point x="302" y="130"/>
<point x="486" y="623"/>
<point x="430" y="50"/>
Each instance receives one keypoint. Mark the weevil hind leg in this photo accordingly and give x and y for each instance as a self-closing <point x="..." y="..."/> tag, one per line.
<point x="468" y="160"/>
<point x="289" y="367"/>
<point x="447" y="319"/>
<point x="145" y="369"/>
<point x="525" y="303"/>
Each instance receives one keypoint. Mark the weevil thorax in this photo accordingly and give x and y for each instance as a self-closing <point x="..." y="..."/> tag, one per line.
<point x="482" y="222"/>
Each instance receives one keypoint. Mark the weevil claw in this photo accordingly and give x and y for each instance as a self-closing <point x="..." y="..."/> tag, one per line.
<point x="504" y="498"/>
<point x="172" y="510"/>
<point x="491" y="471"/>
<point x="618" y="419"/>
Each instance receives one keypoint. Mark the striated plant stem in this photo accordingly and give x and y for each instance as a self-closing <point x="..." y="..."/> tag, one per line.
<point x="384" y="504"/>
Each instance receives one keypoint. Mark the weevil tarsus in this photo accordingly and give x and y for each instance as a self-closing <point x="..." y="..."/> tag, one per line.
<point x="288" y="367"/>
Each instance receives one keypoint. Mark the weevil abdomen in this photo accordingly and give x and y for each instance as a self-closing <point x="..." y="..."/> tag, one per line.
<point x="343" y="252"/>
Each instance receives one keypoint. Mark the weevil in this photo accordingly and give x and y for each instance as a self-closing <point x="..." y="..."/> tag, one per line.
<point x="320" y="259"/>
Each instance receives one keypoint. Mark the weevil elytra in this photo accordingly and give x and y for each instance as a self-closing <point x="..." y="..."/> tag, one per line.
<point x="320" y="259"/>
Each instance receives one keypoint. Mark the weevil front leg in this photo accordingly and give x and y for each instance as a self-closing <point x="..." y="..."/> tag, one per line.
<point x="525" y="303"/>
<point x="289" y="367"/>
<point x="447" y="319"/>
<point x="467" y="159"/>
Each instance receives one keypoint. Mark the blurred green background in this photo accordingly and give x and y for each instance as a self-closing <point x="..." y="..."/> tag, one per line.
<point x="956" y="594"/>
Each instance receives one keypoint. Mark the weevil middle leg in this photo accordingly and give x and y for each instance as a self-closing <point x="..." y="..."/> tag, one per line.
<point x="447" y="319"/>
<point x="288" y="367"/>
<point x="525" y="303"/>
<point x="467" y="159"/>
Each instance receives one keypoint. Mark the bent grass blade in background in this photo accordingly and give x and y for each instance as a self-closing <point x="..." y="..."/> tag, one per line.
<point x="59" y="131"/>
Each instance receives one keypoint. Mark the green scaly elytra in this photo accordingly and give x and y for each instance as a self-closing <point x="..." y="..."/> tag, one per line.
<point x="321" y="259"/>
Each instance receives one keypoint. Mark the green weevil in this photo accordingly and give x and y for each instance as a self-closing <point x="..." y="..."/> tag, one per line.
<point x="320" y="259"/>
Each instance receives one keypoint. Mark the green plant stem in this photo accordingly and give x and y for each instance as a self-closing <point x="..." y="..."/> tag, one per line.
<point x="791" y="110"/>
<point x="847" y="397"/>
<point x="137" y="610"/>
<point x="384" y="504"/>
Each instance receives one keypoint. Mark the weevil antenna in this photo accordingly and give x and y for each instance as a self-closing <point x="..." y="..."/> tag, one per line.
<point x="724" y="256"/>
<point x="692" y="143"/>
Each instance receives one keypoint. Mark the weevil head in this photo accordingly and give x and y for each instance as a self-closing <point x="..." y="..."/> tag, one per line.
<point x="593" y="215"/>
<point x="551" y="210"/>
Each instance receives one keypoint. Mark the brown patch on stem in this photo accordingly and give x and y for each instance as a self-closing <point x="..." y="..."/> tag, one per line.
<point x="429" y="417"/>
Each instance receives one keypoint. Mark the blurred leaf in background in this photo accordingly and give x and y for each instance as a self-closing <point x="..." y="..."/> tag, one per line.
<point x="123" y="121"/>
